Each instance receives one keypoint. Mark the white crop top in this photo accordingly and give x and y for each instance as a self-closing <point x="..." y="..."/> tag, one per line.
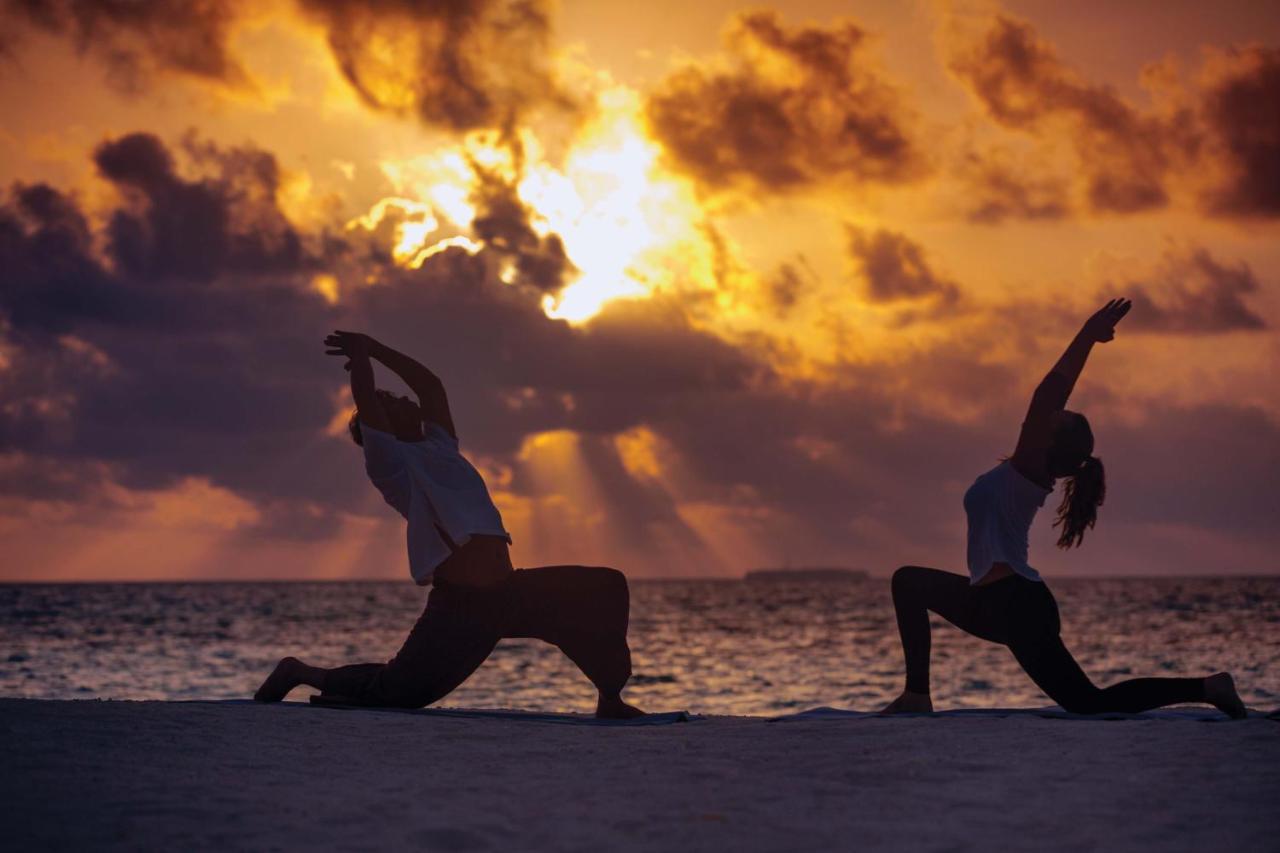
<point x="1000" y="506"/>
<point x="436" y="489"/>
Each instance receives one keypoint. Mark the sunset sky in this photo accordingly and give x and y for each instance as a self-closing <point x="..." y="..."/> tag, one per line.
<point x="711" y="286"/>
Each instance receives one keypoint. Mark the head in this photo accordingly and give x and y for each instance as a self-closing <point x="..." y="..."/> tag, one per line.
<point x="404" y="414"/>
<point x="1071" y="458"/>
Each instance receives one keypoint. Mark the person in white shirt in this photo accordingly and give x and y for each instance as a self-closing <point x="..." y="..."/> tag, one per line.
<point x="1004" y="599"/>
<point x="457" y="544"/>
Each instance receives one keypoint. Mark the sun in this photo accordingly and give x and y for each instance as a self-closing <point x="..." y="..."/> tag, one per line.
<point x="619" y="214"/>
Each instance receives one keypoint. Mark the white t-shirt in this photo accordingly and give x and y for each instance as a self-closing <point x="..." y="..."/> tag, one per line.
<point x="1000" y="506"/>
<point x="436" y="489"/>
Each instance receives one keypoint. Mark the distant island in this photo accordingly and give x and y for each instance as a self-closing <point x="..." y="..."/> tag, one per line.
<point x="809" y="573"/>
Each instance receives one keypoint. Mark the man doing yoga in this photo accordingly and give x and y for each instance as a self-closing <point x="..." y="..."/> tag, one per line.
<point x="458" y="544"/>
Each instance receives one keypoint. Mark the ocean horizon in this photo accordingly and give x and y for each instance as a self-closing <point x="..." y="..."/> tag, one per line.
<point x="718" y="646"/>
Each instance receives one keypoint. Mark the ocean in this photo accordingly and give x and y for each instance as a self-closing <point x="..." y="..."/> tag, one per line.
<point x="715" y="647"/>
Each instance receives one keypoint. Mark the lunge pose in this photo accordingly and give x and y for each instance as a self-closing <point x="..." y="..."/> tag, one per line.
<point x="458" y="544"/>
<point x="1003" y="599"/>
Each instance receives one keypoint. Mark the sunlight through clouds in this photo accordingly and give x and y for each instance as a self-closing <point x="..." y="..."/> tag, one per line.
<point x="610" y="201"/>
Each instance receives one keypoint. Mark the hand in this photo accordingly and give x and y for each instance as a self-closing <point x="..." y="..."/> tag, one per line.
<point x="353" y="345"/>
<point x="1101" y="327"/>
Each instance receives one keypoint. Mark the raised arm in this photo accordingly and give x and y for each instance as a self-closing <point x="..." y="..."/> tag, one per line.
<point x="363" y="390"/>
<point x="425" y="385"/>
<point x="1055" y="389"/>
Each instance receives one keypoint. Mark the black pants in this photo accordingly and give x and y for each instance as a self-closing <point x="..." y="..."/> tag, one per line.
<point x="1023" y="615"/>
<point x="581" y="609"/>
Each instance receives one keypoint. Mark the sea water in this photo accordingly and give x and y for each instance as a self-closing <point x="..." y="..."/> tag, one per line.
<point x="717" y="647"/>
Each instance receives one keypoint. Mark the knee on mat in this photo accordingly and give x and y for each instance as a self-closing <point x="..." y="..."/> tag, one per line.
<point x="1084" y="703"/>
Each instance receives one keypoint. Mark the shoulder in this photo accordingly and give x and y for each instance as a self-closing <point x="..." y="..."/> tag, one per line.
<point x="436" y="433"/>
<point x="379" y="444"/>
<point x="377" y="437"/>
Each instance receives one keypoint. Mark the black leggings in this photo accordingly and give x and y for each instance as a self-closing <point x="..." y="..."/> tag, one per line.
<point x="1023" y="615"/>
<point x="581" y="609"/>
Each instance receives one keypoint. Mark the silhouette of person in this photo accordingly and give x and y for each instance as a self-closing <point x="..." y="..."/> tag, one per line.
<point x="1004" y="599"/>
<point x="457" y="543"/>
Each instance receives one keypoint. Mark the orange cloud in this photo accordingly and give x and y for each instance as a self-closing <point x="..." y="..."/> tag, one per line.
<point x="1022" y="84"/>
<point x="1241" y="91"/>
<point x="786" y="107"/>
<point x="1191" y="292"/>
<point x="1219" y="139"/>
<point x="136" y="41"/>
<point x="462" y="66"/>
<point x="895" y="268"/>
<point x="997" y="186"/>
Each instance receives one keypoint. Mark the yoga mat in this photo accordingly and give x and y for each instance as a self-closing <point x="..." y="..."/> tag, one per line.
<point x="1206" y="715"/>
<point x="492" y="714"/>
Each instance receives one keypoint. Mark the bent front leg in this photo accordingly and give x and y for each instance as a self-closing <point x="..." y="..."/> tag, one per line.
<point x="918" y="590"/>
<point x="583" y="610"/>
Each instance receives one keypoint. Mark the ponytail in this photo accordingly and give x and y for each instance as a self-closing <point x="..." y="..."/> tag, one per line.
<point x="1081" y="496"/>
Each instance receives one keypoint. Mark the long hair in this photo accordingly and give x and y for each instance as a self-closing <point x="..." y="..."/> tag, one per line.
<point x="1071" y="457"/>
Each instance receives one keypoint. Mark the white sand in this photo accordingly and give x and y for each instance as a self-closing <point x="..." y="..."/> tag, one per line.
<point x="154" y="775"/>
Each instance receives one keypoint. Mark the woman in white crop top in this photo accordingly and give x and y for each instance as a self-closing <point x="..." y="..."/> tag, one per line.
<point x="458" y="544"/>
<point x="1003" y="599"/>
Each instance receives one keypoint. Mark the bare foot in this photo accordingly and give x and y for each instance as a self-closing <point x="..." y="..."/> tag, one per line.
<point x="615" y="709"/>
<point x="910" y="703"/>
<point x="286" y="676"/>
<point x="1220" y="691"/>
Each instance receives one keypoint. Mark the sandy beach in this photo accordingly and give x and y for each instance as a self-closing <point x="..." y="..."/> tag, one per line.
<point x="156" y="775"/>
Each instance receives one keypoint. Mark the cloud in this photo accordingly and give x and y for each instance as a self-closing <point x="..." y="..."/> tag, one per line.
<point x="196" y="229"/>
<point x="190" y="348"/>
<point x="1191" y="292"/>
<point x="895" y="268"/>
<point x="1219" y="137"/>
<point x="787" y="285"/>
<point x="1240" y="90"/>
<point x="1022" y="84"/>
<point x="504" y="222"/>
<point x="136" y="41"/>
<point x="787" y="108"/>
<point x="129" y="365"/>
<point x="151" y="371"/>
<point x="183" y="349"/>
<point x="457" y="65"/>
<point x="996" y="187"/>
<point x="1207" y="466"/>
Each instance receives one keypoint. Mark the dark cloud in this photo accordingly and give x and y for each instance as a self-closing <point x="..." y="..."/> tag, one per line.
<point x="185" y="349"/>
<point x="791" y="107"/>
<point x="1208" y="466"/>
<point x="189" y="348"/>
<point x="136" y="40"/>
<point x="895" y="268"/>
<point x="1017" y="76"/>
<point x="998" y="188"/>
<point x="195" y="230"/>
<point x="1240" y="109"/>
<point x="787" y="284"/>
<point x="504" y="222"/>
<point x="135" y="368"/>
<point x="512" y="371"/>
<point x="1190" y="292"/>
<point x="459" y="64"/>
<point x="1220" y="136"/>
<point x="51" y="280"/>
